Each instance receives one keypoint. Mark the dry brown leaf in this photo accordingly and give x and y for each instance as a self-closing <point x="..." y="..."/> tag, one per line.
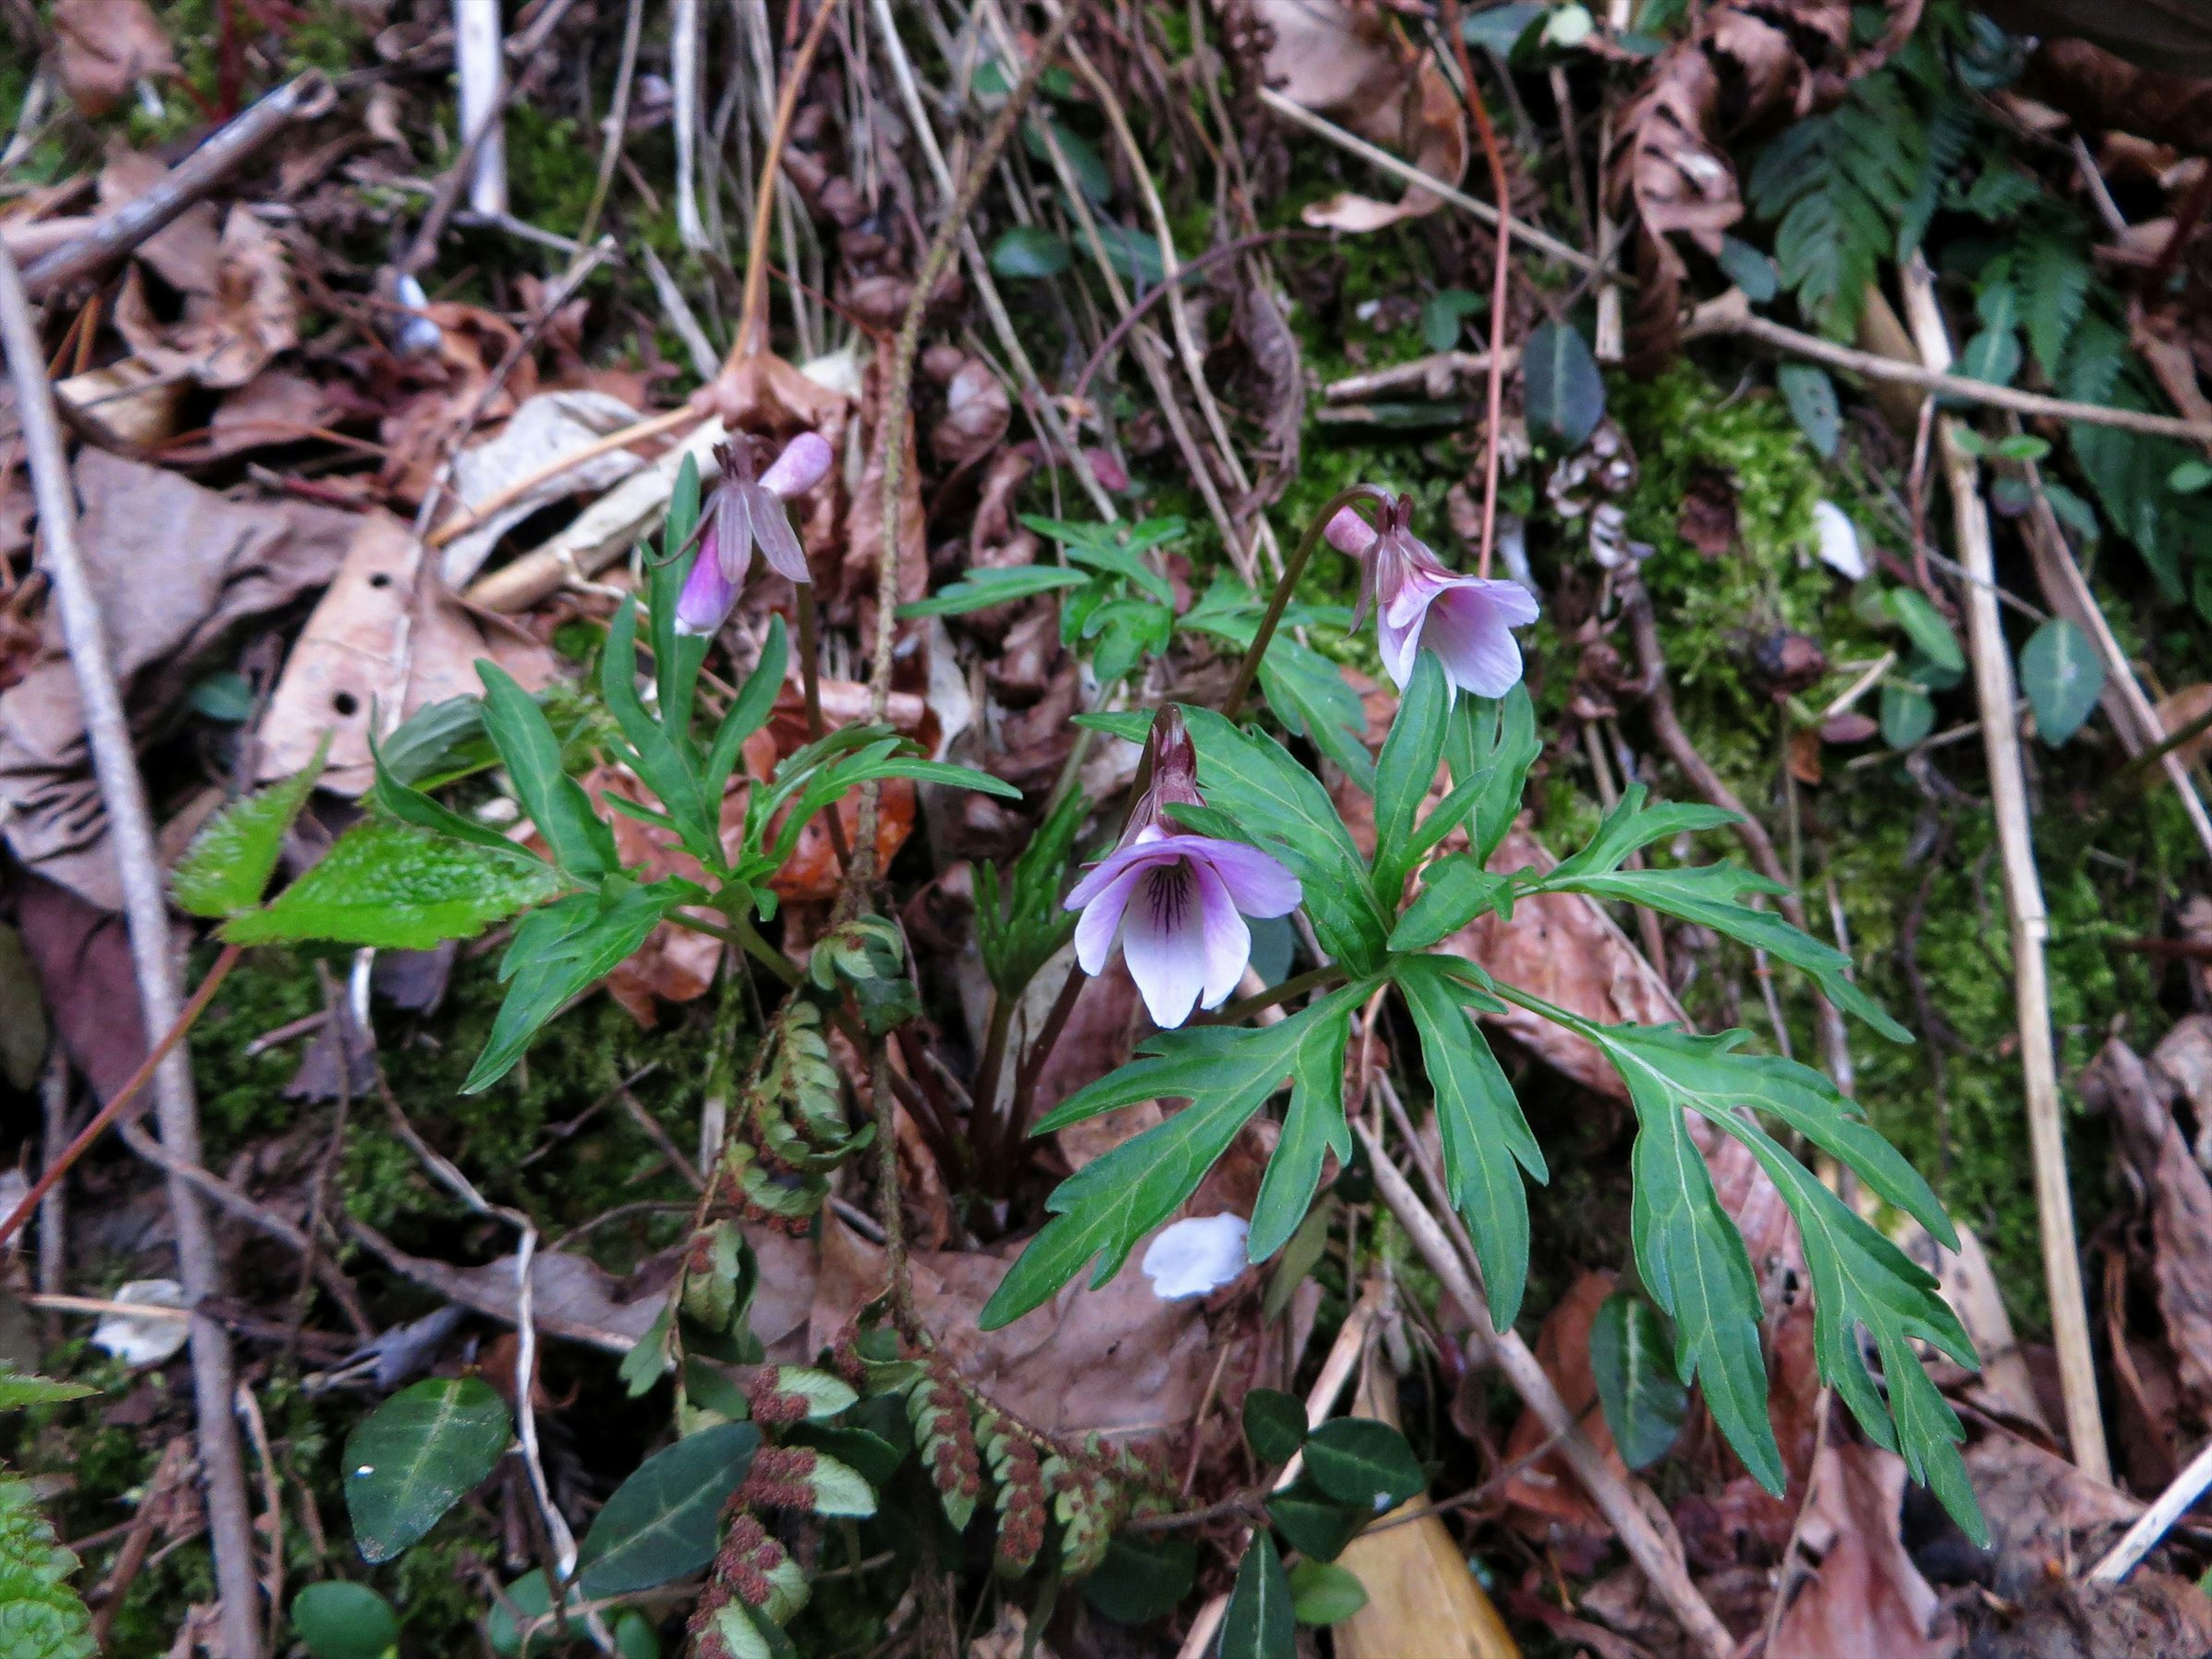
<point x="448" y="387"/>
<point x="176" y="569"/>
<point x="2041" y="1510"/>
<point x="1866" y="1596"/>
<point x="387" y="636"/>
<point x="102" y="400"/>
<point x="108" y="47"/>
<point x="2151" y="1616"/>
<point x="238" y="314"/>
<point x="977" y="412"/>
<point x="2182" y="709"/>
<point x="543" y="430"/>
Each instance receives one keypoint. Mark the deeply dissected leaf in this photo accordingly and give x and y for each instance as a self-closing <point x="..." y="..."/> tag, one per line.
<point x="666" y="763"/>
<point x="340" y="1620"/>
<point x="1313" y="1125"/>
<point x="1259" y="1624"/>
<point x="1405" y="771"/>
<point x="1491" y="746"/>
<point x="40" y="1615"/>
<point x="1455" y="890"/>
<point x="1564" y="393"/>
<point x="661" y="1521"/>
<point x="2060" y="671"/>
<point x="1644" y="1402"/>
<point x="397" y="887"/>
<point x="229" y="862"/>
<point x="1631" y="827"/>
<point x="416" y="1455"/>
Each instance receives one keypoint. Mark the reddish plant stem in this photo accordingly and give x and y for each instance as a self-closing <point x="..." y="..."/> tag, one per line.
<point x="1008" y="1135"/>
<point x="1480" y="112"/>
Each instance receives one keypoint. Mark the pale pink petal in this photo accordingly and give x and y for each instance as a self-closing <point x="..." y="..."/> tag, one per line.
<point x="1228" y="940"/>
<point x="706" y="595"/>
<point x="772" y="529"/>
<point x="1255" y="881"/>
<point x="1397" y="642"/>
<point x="1136" y="855"/>
<point x="1512" y="601"/>
<point x="1468" y="633"/>
<point x="1102" y="921"/>
<point x="732" y="534"/>
<point x="1349" y="533"/>
<point x="804" y="464"/>
<point x="1163" y="941"/>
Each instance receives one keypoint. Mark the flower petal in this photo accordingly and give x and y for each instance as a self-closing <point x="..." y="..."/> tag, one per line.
<point x="1163" y="941"/>
<point x="706" y="595"/>
<point x="1195" y="1256"/>
<point x="1397" y="641"/>
<point x="1349" y="533"/>
<point x="1102" y="921"/>
<point x="1256" y="881"/>
<point x="804" y="464"/>
<point x="772" y="530"/>
<point x="732" y="534"/>
<point x="1135" y="855"/>
<point x="1465" y="631"/>
<point x="1228" y="940"/>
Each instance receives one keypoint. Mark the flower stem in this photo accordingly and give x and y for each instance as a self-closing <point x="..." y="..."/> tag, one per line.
<point x="1488" y="135"/>
<point x="1313" y="978"/>
<point x="810" y="668"/>
<point x="1250" y="668"/>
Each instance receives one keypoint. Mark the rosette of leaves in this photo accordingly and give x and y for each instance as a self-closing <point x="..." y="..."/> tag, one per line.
<point x="1688" y="1253"/>
<point x="416" y="872"/>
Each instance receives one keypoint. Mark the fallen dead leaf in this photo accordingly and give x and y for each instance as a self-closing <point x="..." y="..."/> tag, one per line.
<point x="977" y="412"/>
<point x="81" y="955"/>
<point x="543" y="430"/>
<point x="238" y="314"/>
<point x="104" y="400"/>
<point x="108" y="47"/>
<point x="1545" y="1499"/>
<point x="2150" y="1616"/>
<point x="1866" y="1596"/>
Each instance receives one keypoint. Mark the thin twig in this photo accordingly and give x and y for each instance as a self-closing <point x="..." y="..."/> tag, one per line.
<point x="131" y="834"/>
<point x="618" y="121"/>
<point x="1503" y="232"/>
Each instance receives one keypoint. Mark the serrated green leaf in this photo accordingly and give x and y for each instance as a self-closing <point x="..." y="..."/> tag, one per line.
<point x="1644" y="1402"/>
<point x="1563" y="392"/>
<point x="18" y="1390"/>
<point x="1274" y="1425"/>
<point x="1323" y="1594"/>
<point x="2063" y="677"/>
<point x="1259" y="1624"/>
<point x="1483" y="1132"/>
<point x="40" y="1615"/>
<point x="227" y="866"/>
<point x="661" y="1521"/>
<point x="339" y="1620"/>
<point x="2053" y="274"/>
<point x="1405" y="770"/>
<point x="416" y="1455"/>
<point x="397" y="887"/>
<point x="1455" y="890"/>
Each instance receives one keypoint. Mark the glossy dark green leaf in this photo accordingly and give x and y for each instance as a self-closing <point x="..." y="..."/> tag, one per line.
<point x="1644" y="1402"/>
<point x="340" y="1620"/>
<point x="1143" y="1576"/>
<point x="1562" y="392"/>
<point x="1259" y="1624"/>
<point x="398" y="889"/>
<point x="1811" y="396"/>
<point x="1028" y="251"/>
<point x="228" y="864"/>
<point x="1274" y="1425"/>
<point x="1314" y="1523"/>
<point x="661" y="1521"/>
<point x="1324" y="1594"/>
<point x="414" y="1456"/>
<point x="2063" y="677"/>
<point x="1358" y="1460"/>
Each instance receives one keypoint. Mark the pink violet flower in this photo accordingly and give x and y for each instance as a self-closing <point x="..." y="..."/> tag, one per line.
<point x="1176" y="902"/>
<point x="743" y="512"/>
<point x="1420" y="602"/>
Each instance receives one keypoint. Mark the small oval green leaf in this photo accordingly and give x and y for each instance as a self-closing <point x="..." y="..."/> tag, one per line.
<point x="1633" y="1362"/>
<point x="337" y="1619"/>
<point x="415" y="1456"/>
<point x="1358" y="1460"/>
<point x="2060" y="672"/>
<point x="661" y="1522"/>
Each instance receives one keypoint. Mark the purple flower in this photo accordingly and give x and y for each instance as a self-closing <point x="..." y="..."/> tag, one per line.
<point x="1173" y="899"/>
<point x="744" y="511"/>
<point x="1420" y="602"/>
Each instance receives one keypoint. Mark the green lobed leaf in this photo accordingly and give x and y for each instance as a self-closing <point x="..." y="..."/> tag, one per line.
<point x="661" y="1521"/>
<point x="1644" y="1402"/>
<point x="1405" y="770"/>
<point x="1631" y="827"/>
<point x="665" y="761"/>
<point x="1281" y="808"/>
<point x="1259" y="1624"/>
<point x="393" y="886"/>
<point x="229" y="865"/>
<point x="582" y="842"/>
<point x="1483" y="1132"/>
<point x="2063" y="677"/>
<point x="1455" y="890"/>
<point x="1358" y="1460"/>
<point x="1323" y="1594"/>
<point x="1312" y="1126"/>
<point x="414" y="1456"/>
<point x="1274" y="1425"/>
<point x="338" y="1618"/>
<point x="1491" y="746"/>
<point x="986" y="586"/>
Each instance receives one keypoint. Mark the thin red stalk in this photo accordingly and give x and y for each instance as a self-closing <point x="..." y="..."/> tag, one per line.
<point x="1481" y="113"/>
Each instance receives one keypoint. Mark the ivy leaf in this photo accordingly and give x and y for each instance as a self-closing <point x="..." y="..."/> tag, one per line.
<point x="984" y="586"/>
<point x="1563" y="392"/>
<point x="1485" y="1135"/>
<point x="1280" y="807"/>
<point x="1323" y="1594"/>
<point x="582" y="844"/>
<point x="416" y="1455"/>
<point x="2060" y="672"/>
<point x="1706" y="894"/>
<point x="229" y="862"/>
<point x="1644" y="1402"/>
<point x="1259" y="1624"/>
<point x="394" y="887"/>
<point x="1360" y="1462"/>
<point x="1811" y="396"/>
<point x="1227" y="1073"/>
<point x="559" y="952"/>
<point x="661" y="1521"/>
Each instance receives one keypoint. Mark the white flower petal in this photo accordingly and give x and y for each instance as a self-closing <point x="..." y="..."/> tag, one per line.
<point x="136" y="1340"/>
<point x="1838" y="541"/>
<point x="1195" y="1256"/>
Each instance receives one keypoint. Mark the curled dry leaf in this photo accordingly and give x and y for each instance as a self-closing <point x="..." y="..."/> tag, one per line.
<point x="108" y="47"/>
<point x="238" y="314"/>
<point x="543" y="430"/>
<point x="977" y="412"/>
<point x="1866" y="1596"/>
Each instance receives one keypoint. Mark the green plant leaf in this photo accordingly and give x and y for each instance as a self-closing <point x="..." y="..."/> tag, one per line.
<point x="1130" y="725"/>
<point x="1491" y="746"/>
<point x="1315" y="1523"/>
<point x="1309" y="694"/>
<point x="1143" y="1577"/>
<point x="582" y="842"/>
<point x="1259" y="1624"/>
<point x="986" y="586"/>
<point x="1089" y="167"/>
<point x="1631" y="827"/>
<point x="1028" y="251"/>
<point x="661" y="1521"/>
<point x="392" y="886"/>
<point x="1444" y="315"/>
<point x="1924" y="626"/>
<point x="1455" y="890"/>
<point x="754" y="702"/>
<point x="438" y="743"/>
<point x="1563" y="392"/>
<point x="2060" y="672"/>
<point x="42" y="1617"/>
<point x="1644" y="1402"/>
<point x="1323" y="1594"/>
<point x="1811" y="396"/>
<point x="838" y="1490"/>
<point x="559" y="952"/>
<point x="338" y="1618"/>
<point x="1281" y="808"/>
<point x="1274" y="1425"/>
<point x="1405" y="770"/>
<point x="1751" y="272"/>
<point x="18" y="1390"/>
<point x="414" y="1456"/>
<point x="1908" y="715"/>
<point x="227" y="866"/>
<point x="1358" y="1460"/>
<point x="665" y="762"/>
<point x="1312" y="1126"/>
<point x="1483" y="1132"/>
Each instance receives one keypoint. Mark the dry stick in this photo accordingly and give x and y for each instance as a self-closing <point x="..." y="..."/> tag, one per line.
<point x="53" y="1208"/>
<point x="122" y="793"/>
<point x="1731" y="314"/>
<point x="752" y="316"/>
<point x="618" y="121"/>
<point x="652" y="427"/>
<point x="1504" y="231"/>
<point x="684" y="31"/>
<point x="229" y="147"/>
<point x="1657" y="1553"/>
<point x="1994" y="691"/>
<point x="2154" y="1522"/>
<point x="1437" y="369"/>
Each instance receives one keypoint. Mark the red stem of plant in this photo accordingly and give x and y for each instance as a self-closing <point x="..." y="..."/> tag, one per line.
<point x="128" y="1092"/>
<point x="1487" y="134"/>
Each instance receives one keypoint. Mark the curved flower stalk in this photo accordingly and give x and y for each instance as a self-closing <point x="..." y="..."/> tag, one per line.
<point x="1420" y="602"/>
<point x="1176" y="902"/>
<point x="745" y="511"/>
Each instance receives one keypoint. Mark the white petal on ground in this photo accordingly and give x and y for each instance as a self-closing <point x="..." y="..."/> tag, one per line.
<point x="1839" y="541"/>
<point x="137" y="1341"/>
<point x="1197" y="1256"/>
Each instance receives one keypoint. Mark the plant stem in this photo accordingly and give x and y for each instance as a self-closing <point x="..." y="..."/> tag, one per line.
<point x="986" y="1097"/>
<point x="810" y="666"/>
<point x="1480" y="113"/>
<point x="742" y="934"/>
<point x="1032" y="1066"/>
<point x="123" y="1096"/>
<point x="752" y="316"/>
<point x="1250" y="668"/>
<point x="1313" y="978"/>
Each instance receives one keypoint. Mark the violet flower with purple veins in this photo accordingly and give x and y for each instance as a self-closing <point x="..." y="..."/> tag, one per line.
<point x="1173" y="899"/>
<point x="1420" y="602"/>
<point x="743" y="512"/>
